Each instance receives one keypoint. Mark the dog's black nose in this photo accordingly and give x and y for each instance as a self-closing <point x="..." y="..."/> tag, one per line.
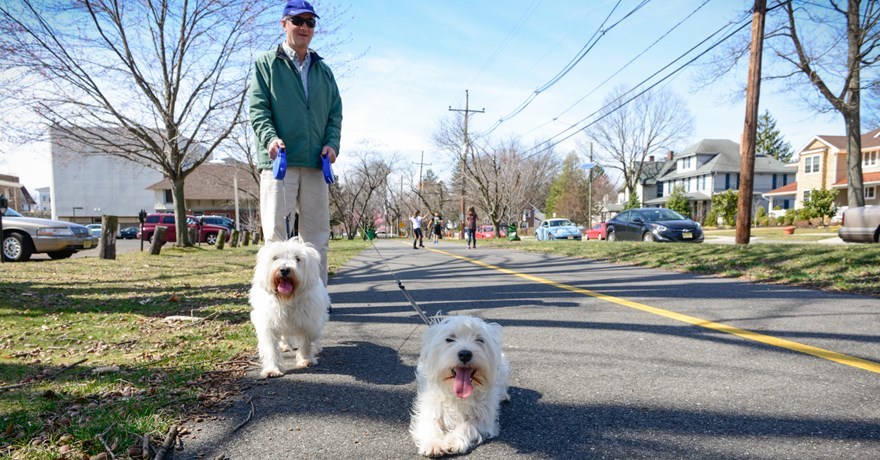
<point x="465" y="356"/>
<point x="285" y="272"/>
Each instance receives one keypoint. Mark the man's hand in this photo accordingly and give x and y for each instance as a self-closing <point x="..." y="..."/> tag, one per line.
<point x="328" y="151"/>
<point x="274" y="146"/>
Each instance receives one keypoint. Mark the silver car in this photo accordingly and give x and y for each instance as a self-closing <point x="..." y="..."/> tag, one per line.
<point x="23" y="236"/>
<point x="861" y="225"/>
<point x="557" y="229"/>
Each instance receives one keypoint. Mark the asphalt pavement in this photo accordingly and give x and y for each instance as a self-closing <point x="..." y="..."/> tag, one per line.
<point x="608" y="361"/>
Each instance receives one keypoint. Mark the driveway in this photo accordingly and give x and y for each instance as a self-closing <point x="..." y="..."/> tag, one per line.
<point x="608" y="362"/>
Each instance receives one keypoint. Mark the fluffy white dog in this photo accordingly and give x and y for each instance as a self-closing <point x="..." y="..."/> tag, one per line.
<point x="462" y="376"/>
<point x="290" y="302"/>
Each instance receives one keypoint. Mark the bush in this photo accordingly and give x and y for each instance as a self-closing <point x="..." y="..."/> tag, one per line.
<point x="790" y="217"/>
<point x="711" y="218"/>
<point x="678" y="202"/>
<point x="724" y="204"/>
<point x="633" y="202"/>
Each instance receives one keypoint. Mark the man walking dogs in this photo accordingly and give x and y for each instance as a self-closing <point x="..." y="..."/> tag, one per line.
<point x="295" y="108"/>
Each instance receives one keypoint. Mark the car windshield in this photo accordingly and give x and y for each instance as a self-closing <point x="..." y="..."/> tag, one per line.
<point x="661" y="214"/>
<point x="560" y="223"/>
<point x="12" y="213"/>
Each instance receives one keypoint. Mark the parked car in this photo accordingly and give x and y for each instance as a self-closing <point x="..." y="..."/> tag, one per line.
<point x="208" y="233"/>
<point x="128" y="233"/>
<point x="488" y="231"/>
<point x="94" y="229"/>
<point x="860" y="225"/>
<point x="24" y="236"/>
<point x="221" y="221"/>
<point x="654" y="224"/>
<point x="557" y="229"/>
<point x="598" y="232"/>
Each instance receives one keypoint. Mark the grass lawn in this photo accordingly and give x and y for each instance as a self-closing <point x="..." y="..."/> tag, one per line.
<point x="98" y="355"/>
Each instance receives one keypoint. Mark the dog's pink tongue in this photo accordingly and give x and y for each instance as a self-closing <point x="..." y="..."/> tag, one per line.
<point x="462" y="386"/>
<point x="285" y="286"/>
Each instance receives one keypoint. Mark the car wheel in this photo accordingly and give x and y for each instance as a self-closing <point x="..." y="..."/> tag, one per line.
<point x="648" y="237"/>
<point x="611" y="236"/>
<point x="211" y="238"/>
<point x="57" y="255"/>
<point x="16" y="248"/>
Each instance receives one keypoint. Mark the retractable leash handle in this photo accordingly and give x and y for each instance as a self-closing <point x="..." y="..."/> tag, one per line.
<point x="279" y="167"/>
<point x="328" y="170"/>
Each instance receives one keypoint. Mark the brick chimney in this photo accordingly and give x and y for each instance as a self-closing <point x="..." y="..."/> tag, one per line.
<point x="651" y="158"/>
<point x="669" y="155"/>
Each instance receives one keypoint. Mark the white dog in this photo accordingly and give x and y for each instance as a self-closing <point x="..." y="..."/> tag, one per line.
<point x="462" y="376"/>
<point x="289" y="302"/>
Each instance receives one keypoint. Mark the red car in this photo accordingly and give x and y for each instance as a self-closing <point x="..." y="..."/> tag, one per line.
<point x="488" y="231"/>
<point x="598" y="232"/>
<point x="208" y="232"/>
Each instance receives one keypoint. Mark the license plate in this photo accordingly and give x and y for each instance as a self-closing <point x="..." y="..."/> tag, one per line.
<point x="687" y="235"/>
<point x="87" y="244"/>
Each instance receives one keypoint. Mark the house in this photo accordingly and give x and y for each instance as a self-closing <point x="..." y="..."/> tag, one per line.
<point x="16" y="193"/>
<point x="708" y="167"/>
<point x="214" y="189"/>
<point x="822" y="164"/>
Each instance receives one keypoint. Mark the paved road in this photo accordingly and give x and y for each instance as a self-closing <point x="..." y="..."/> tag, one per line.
<point x="607" y="363"/>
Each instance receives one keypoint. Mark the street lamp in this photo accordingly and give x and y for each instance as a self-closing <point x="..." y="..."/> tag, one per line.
<point x="4" y="205"/>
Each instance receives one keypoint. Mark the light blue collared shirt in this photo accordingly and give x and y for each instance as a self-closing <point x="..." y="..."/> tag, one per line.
<point x="301" y="67"/>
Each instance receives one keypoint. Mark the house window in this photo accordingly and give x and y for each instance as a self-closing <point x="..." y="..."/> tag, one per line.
<point x="169" y="198"/>
<point x="786" y="204"/>
<point x="807" y="195"/>
<point x="773" y="187"/>
<point x="784" y="180"/>
<point x="727" y="181"/>
<point x="870" y="193"/>
<point x="659" y="189"/>
<point x="687" y="185"/>
<point x="703" y="182"/>
<point x="737" y="181"/>
<point x="811" y="164"/>
<point x="869" y="159"/>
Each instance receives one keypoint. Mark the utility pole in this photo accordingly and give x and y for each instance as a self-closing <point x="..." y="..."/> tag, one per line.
<point x="590" y="192"/>
<point x="747" y="150"/>
<point x="466" y="147"/>
<point x="421" y="163"/>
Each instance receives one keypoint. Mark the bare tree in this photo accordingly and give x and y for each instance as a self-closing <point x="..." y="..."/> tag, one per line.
<point x="628" y="133"/>
<point x="168" y="77"/>
<point x="357" y="199"/>
<point x="827" y="53"/>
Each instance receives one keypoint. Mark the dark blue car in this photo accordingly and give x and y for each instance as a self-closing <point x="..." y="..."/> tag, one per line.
<point x="654" y="224"/>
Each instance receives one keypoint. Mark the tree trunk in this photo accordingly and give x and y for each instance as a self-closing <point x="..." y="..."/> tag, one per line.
<point x="108" y="238"/>
<point x="852" y="114"/>
<point x="180" y="213"/>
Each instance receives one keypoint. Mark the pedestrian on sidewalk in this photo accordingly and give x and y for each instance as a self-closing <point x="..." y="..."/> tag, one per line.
<point x="416" y="220"/>
<point x="470" y="227"/>
<point x="437" y="227"/>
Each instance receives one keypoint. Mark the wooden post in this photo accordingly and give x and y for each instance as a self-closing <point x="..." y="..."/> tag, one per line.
<point x="107" y="245"/>
<point x="257" y="237"/>
<point x="246" y="238"/>
<point x="233" y="241"/>
<point x="747" y="149"/>
<point x="158" y="240"/>
<point x="221" y="239"/>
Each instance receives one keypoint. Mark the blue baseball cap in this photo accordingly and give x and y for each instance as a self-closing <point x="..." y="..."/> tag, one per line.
<point x="297" y="7"/>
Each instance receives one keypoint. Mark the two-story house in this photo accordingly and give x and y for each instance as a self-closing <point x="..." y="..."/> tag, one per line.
<point x="822" y="164"/>
<point x="708" y="167"/>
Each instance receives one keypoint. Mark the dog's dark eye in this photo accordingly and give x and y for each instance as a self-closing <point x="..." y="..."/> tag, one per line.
<point x="450" y="339"/>
<point x="296" y="258"/>
<point x="480" y="340"/>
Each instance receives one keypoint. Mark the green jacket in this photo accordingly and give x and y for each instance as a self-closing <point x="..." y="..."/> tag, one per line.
<point x="278" y="108"/>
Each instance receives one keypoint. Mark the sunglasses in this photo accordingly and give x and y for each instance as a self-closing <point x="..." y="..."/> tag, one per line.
<point x="299" y="21"/>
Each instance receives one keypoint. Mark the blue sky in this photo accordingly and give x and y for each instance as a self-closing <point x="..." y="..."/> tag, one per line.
<point x="421" y="56"/>
<point x="417" y="58"/>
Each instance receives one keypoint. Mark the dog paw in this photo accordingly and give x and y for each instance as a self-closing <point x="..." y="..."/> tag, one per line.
<point x="435" y="450"/>
<point x="271" y="372"/>
<point x="306" y="362"/>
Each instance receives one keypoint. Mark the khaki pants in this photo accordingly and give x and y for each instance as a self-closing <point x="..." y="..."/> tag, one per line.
<point x="303" y="190"/>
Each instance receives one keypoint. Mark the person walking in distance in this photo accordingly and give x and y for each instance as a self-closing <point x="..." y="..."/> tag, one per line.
<point x="416" y="220"/>
<point x="437" y="227"/>
<point x="295" y="108"/>
<point x="470" y="224"/>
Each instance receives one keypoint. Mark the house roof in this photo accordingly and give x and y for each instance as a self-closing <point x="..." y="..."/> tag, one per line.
<point x="789" y="189"/>
<point x="725" y="158"/>
<point x="214" y="181"/>
<point x="871" y="178"/>
<point x="870" y="140"/>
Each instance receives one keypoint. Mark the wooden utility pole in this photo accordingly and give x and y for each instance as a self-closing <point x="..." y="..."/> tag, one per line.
<point x="466" y="147"/>
<point x="421" y="163"/>
<point x="747" y="148"/>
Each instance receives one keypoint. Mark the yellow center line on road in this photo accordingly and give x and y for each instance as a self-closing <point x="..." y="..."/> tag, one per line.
<point x="834" y="356"/>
